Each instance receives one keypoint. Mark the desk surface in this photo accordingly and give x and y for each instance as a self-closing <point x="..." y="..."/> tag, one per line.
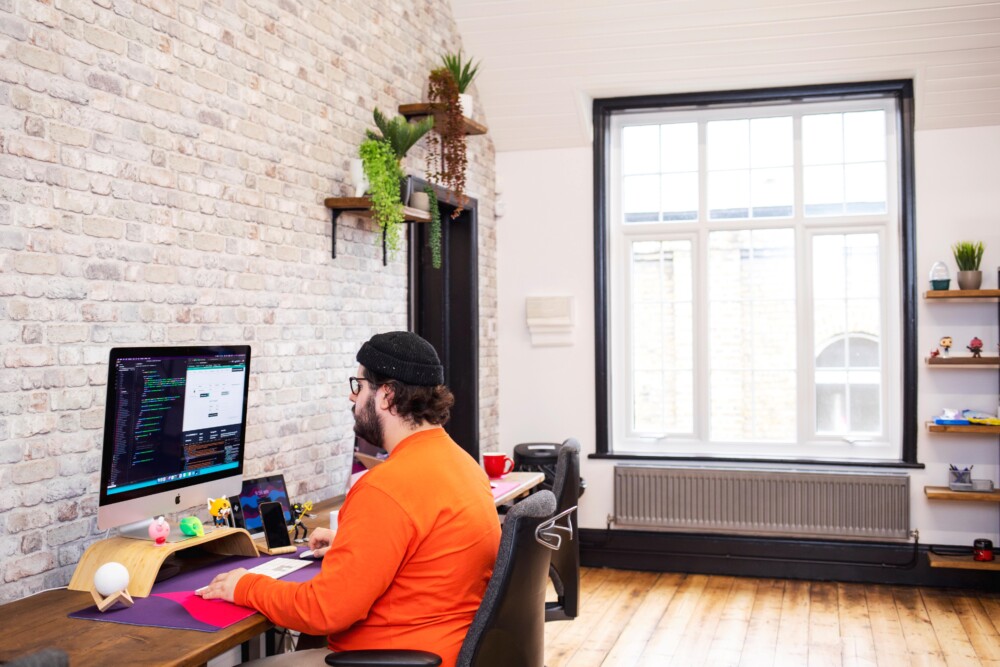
<point x="41" y="621"/>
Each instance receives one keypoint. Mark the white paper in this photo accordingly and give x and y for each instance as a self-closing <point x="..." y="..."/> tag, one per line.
<point x="279" y="567"/>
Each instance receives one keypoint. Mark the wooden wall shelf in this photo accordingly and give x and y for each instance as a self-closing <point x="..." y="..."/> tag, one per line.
<point x="423" y="109"/>
<point x="362" y="206"/>
<point x="978" y="429"/>
<point x="944" y="493"/>
<point x="962" y="294"/>
<point x="961" y="562"/>
<point x="963" y="362"/>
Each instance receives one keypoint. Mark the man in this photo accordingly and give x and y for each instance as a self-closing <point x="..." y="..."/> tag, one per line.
<point x="418" y="534"/>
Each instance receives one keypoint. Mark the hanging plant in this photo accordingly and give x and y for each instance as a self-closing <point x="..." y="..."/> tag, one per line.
<point x="381" y="156"/>
<point x="434" y="238"/>
<point x="446" y="160"/>
<point x="382" y="169"/>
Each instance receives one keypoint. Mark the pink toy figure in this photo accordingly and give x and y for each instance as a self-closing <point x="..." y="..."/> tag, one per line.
<point x="158" y="531"/>
<point x="975" y="346"/>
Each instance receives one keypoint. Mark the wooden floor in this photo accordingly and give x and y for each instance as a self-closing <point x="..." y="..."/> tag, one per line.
<point x="648" y="619"/>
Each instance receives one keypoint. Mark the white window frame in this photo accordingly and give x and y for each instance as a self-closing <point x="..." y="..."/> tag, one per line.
<point x="887" y="447"/>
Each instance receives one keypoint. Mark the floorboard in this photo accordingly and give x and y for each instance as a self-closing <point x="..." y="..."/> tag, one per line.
<point x="641" y="619"/>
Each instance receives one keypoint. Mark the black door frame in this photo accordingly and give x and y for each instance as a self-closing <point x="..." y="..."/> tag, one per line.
<point x="443" y="306"/>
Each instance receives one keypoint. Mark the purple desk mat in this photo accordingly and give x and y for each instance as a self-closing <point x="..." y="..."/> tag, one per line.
<point x="173" y="604"/>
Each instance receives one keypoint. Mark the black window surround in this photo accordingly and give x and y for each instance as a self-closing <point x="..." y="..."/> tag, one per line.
<point x="604" y="109"/>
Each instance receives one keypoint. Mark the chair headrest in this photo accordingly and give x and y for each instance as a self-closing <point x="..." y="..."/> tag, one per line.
<point x="540" y="505"/>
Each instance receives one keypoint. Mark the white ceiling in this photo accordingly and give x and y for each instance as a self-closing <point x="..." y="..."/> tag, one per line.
<point x="544" y="61"/>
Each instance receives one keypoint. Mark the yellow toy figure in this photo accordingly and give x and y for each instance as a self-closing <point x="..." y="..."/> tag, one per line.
<point x="301" y="510"/>
<point x="221" y="511"/>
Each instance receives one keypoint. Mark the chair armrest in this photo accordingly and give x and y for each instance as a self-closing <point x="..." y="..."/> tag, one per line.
<point x="383" y="658"/>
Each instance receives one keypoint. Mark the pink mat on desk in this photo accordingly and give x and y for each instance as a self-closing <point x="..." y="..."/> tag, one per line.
<point x="501" y="488"/>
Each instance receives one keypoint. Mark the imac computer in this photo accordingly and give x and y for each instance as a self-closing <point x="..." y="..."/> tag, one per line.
<point x="174" y="431"/>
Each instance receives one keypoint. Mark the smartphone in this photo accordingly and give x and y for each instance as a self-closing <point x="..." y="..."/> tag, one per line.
<point x="272" y="515"/>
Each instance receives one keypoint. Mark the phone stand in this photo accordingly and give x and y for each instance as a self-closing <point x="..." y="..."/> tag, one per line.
<point x="105" y="603"/>
<point x="276" y="550"/>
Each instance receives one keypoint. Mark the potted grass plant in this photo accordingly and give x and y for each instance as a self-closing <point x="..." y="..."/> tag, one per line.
<point x="463" y="71"/>
<point x="968" y="256"/>
<point x="382" y="154"/>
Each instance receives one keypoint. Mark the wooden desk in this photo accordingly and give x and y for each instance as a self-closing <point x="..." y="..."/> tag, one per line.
<point x="41" y="621"/>
<point x="525" y="482"/>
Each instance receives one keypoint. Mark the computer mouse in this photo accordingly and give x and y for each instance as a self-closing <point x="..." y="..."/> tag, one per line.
<point x="308" y="553"/>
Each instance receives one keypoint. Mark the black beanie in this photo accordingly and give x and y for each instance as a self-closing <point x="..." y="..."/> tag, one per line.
<point x="403" y="356"/>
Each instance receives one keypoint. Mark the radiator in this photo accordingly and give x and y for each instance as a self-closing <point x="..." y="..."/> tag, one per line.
<point x="763" y="502"/>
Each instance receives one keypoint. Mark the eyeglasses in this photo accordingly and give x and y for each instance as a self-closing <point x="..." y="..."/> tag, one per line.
<point x="356" y="384"/>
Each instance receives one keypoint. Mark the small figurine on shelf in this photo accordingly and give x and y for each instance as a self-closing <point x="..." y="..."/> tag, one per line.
<point x="221" y="511"/>
<point x="158" y="531"/>
<point x="191" y="526"/>
<point x="975" y="346"/>
<point x="301" y="511"/>
<point x="935" y="353"/>
<point x="945" y="345"/>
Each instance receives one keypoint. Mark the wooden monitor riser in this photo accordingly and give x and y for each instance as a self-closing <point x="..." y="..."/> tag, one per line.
<point x="143" y="558"/>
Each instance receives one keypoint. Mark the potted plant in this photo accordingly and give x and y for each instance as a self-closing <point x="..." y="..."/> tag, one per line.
<point x="463" y="73"/>
<point x="381" y="157"/>
<point x="968" y="255"/>
<point x="446" y="159"/>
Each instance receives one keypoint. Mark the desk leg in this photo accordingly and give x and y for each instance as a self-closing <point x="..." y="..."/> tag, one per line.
<point x="250" y="650"/>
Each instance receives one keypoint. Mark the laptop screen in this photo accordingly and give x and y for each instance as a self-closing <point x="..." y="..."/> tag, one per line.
<point x="262" y="490"/>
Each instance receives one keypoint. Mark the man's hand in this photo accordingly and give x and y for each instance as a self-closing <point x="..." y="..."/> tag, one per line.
<point x="223" y="587"/>
<point x="320" y="541"/>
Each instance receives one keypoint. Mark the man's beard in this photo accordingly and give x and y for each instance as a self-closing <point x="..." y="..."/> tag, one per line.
<point x="367" y="425"/>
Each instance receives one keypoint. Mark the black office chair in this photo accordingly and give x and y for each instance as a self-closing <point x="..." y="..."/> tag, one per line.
<point x="565" y="568"/>
<point x="509" y="628"/>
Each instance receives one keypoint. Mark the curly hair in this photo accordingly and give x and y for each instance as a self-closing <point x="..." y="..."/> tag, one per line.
<point x="415" y="404"/>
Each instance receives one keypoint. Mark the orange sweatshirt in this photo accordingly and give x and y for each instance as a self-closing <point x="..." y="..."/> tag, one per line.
<point x="417" y="539"/>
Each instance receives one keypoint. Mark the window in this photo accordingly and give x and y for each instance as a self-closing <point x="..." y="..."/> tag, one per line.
<point x="751" y="249"/>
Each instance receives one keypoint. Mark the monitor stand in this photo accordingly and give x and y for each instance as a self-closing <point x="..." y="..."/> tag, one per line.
<point x="143" y="558"/>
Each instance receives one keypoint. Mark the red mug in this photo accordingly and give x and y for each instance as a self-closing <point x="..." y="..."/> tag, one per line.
<point x="497" y="465"/>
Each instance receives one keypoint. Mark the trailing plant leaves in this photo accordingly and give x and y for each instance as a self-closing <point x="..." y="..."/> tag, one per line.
<point x="434" y="238"/>
<point x="383" y="172"/>
<point x="446" y="157"/>
<point x="400" y="133"/>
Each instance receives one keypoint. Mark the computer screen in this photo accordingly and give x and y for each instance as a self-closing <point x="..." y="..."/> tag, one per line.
<point x="174" y="429"/>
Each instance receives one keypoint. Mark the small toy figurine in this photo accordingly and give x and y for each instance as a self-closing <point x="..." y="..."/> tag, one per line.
<point x="221" y="511"/>
<point x="975" y="346"/>
<point x="158" y="531"/>
<point x="301" y="511"/>
<point x="191" y="526"/>
<point x="945" y="345"/>
<point x="935" y="353"/>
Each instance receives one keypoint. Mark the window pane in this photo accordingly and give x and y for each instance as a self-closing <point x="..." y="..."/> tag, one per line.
<point x="864" y="136"/>
<point x="662" y="326"/>
<point x="771" y="142"/>
<point x="728" y="144"/>
<point x="679" y="147"/>
<point x="640" y="154"/>
<point x="729" y="194"/>
<point x="680" y="196"/>
<point x="641" y="198"/>
<point x="752" y="323"/>
<point x="823" y="139"/>
<point x="847" y="324"/>
<point x="864" y="188"/>
<point x="772" y="192"/>
<point x="823" y="190"/>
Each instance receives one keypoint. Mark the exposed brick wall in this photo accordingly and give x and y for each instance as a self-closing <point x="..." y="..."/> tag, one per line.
<point x="163" y="166"/>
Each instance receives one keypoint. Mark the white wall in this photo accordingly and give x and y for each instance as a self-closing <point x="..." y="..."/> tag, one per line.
<point x="545" y="247"/>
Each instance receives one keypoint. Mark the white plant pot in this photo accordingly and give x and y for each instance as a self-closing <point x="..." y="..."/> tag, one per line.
<point x="420" y="201"/>
<point x="467" y="103"/>
<point x="358" y="178"/>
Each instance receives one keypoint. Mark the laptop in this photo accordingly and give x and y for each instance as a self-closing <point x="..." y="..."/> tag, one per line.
<point x="254" y="492"/>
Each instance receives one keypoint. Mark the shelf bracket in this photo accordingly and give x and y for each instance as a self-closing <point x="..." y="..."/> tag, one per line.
<point x="333" y="232"/>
